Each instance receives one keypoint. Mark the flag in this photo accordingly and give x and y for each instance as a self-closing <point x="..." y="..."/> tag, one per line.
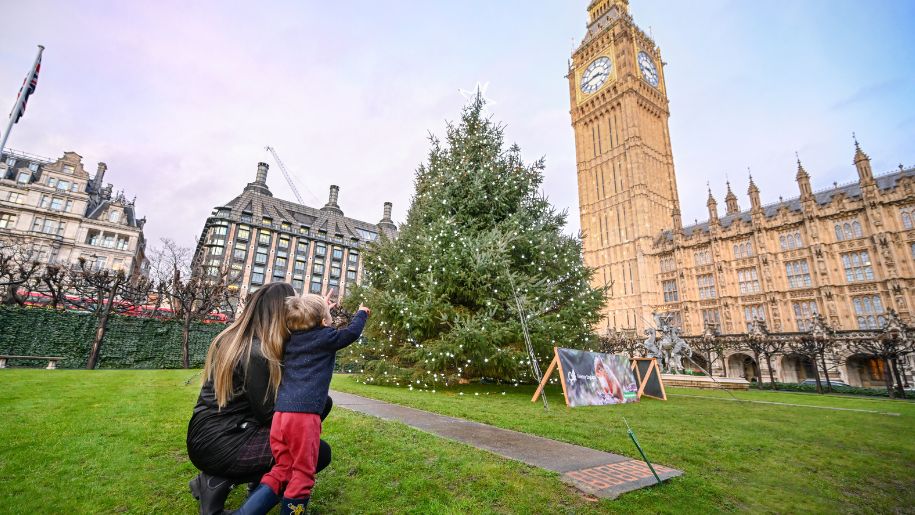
<point x="28" y="86"/>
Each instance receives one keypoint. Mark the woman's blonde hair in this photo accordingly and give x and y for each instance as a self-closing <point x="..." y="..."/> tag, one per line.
<point x="305" y="312"/>
<point x="263" y="318"/>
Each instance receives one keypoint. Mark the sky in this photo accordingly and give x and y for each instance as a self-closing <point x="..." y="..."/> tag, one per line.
<point x="180" y="98"/>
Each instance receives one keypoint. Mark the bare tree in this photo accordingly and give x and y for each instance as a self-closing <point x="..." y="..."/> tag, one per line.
<point x="192" y="288"/>
<point x="761" y="343"/>
<point x="103" y="292"/>
<point x="19" y="266"/>
<point x="54" y="281"/>
<point x="893" y="343"/>
<point x="711" y="347"/>
<point x="814" y="346"/>
<point x="621" y="342"/>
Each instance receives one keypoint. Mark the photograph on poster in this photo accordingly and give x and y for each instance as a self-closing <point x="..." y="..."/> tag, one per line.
<point x="594" y="379"/>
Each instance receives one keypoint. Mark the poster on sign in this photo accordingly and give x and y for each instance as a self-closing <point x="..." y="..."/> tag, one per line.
<point x="595" y="379"/>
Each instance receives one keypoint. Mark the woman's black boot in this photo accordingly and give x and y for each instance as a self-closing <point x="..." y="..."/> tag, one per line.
<point x="212" y="492"/>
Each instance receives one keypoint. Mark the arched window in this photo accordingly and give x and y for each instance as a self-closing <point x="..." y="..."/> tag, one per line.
<point x="736" y="251"/>
<point x="857" y="229"/>
<point x="782" y="242"/>
<point x="847" y="229"/>
<point x="839" y="232"/>
<point x="906" y="220"/>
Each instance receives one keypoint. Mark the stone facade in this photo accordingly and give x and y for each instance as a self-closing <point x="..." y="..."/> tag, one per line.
<point x="64" y="214"/>
<point x="847" y="252"/>
<point x="264" y="239"/>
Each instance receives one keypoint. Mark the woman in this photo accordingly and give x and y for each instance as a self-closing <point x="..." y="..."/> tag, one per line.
<point x="228" y="437"/>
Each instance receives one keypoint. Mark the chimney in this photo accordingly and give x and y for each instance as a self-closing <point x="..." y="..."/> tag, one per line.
<point x="99" y="175"/>
<point x="262" y="173"/>
<point x="334" y="194"/>
<point x="386" y="224"/>
<point x="259" y="185"/>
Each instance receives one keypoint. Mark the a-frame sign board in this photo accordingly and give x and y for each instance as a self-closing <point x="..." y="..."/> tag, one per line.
<point x="546" y="377"/>
<point x="648" y="375"/>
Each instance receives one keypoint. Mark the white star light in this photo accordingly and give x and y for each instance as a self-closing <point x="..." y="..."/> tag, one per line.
<point x="481" y="89"/>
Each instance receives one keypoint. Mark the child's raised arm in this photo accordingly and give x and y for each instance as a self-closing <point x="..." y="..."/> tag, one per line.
<point x="340" y="338"/>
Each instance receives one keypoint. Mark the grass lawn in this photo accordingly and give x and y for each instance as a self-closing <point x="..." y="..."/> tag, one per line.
<point x="113" y="442"/>
<point x="736" y="456"/>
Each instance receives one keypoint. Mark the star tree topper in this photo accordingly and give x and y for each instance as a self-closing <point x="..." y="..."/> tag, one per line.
<point x="480" y="89"/>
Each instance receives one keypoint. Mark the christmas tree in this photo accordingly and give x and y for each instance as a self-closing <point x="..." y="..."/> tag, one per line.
<point x="479" y="240"/>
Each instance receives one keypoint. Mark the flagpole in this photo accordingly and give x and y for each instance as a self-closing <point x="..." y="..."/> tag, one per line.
<point x="20" y="102"/>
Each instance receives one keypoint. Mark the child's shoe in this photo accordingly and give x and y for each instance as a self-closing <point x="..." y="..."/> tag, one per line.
<point x="293" y="506"/>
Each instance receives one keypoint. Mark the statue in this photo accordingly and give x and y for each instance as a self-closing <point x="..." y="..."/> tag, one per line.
<point x="671" y="347"/>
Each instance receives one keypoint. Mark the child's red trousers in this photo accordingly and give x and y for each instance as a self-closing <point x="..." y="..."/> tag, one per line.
<point x="294" y="439"/>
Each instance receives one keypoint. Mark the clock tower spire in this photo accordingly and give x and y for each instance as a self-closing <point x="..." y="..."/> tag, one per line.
<point x="626" y="184"/>
<point x="599" y="8"/>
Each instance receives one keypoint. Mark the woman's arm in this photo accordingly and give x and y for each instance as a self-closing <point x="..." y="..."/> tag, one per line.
<point x="257" y="388"/>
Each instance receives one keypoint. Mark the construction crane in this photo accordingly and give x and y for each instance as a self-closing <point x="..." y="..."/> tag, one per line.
<point x="279" y="162"/>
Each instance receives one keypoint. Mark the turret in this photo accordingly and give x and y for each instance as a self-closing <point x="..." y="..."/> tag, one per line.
<point x="677" y="219"/>
<point x="863" y="164"/>
<point x="712" y="208"/>
<point x="730" y="201"/>
<point x="753" y="191"/>
<point x="803" y="180"/>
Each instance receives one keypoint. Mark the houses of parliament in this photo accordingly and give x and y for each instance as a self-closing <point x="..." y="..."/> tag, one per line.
<point x="847" y="252"/>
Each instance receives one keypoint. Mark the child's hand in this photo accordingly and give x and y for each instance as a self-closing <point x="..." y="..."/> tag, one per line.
<point x="362" y="307"/>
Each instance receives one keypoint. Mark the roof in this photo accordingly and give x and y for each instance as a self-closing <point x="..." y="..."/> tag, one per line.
<point x="257" y="201"/>
<point x="886" y="182"/>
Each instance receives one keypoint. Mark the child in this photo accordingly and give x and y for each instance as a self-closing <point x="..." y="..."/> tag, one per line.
<point x="308" y="364"/>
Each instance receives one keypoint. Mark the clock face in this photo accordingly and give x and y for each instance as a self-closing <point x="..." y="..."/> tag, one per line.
<point x="649" y="70"/>
<point x="596" y="74"/>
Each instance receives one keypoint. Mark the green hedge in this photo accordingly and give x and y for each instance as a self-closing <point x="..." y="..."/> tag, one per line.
<point x="130" y="342"/>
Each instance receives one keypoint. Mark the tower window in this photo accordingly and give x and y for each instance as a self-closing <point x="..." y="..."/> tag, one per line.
<point x="711" y="317"/>
<point x="798" y="273"/>
<point x="754" y="312"/>
<point x="848" y="230"/>
<point x="869" y="310"/>
<point x="743" y="250"/>
<point x="748" y="280"/>
<point x="703" y="257"/>
<point x="790" y="240"/>
<point x="670" y="291"/>
<point x="803" y="314"/>
<point x="857" y="266"/>
<point x="706" y="284"/>
<point x="908" y="217"/>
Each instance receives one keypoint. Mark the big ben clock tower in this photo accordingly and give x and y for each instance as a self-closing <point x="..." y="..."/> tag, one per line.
<point x="626" y="186"/>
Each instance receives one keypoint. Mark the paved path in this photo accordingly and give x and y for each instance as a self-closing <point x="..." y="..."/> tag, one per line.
<point x="598" y="473"/>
